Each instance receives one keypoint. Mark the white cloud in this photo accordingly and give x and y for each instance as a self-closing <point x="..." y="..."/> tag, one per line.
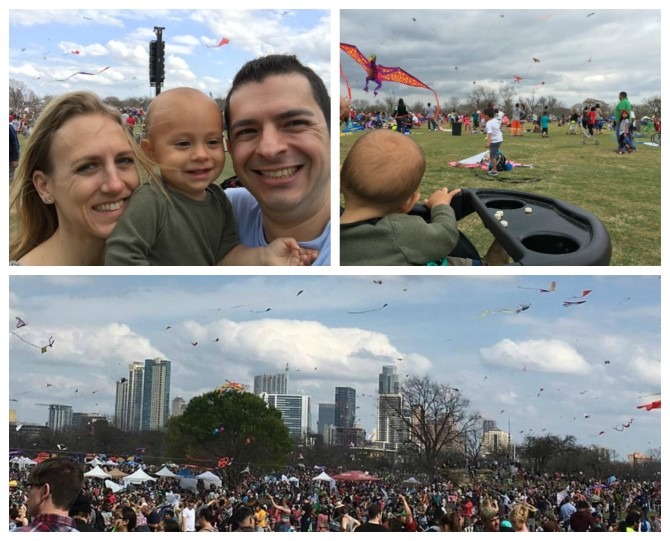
<point x="554" y="356"/>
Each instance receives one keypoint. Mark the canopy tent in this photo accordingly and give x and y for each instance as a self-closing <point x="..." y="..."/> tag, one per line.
<point x="164" y="472"/>
<point x="114" y="486"/>
<point x="110" y="463"/>
<point x="116" y="473"/>
<point x="98" y="473"/>
<point x="323" y="476"/>
<point x="412" y="481"/>
<point x="209" y="477"/>
<point x="137" y="477"/>
<point x="95" y="462"/>
<point x="355" y="476"/>
<point x="22" y="461"/>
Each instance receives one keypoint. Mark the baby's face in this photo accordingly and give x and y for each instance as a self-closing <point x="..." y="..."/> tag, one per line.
<point x="186" y="141"/>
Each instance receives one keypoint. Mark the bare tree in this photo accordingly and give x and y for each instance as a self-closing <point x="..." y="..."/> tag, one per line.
<point x="436" y="418"/>
<point x="473" y="443"/>
<point x="454" y="104"/>
<point x="481" y="96"/>
<point x="507" y="93"/>
<point x="20" y="95"/>
<point x="653" y="106"/>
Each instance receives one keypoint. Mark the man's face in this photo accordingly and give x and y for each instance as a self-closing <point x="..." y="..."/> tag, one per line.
<point x="280" y="146"/>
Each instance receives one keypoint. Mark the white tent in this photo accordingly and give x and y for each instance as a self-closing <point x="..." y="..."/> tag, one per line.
<point x="98" y="473"/>
<point x="114" y="486"/>
<point x="95" y="462"/>
<point x="209" y="477"/>
<point x="323" y="476"/>
<point x="137" y="477"/>
<point x="164" y="472"/>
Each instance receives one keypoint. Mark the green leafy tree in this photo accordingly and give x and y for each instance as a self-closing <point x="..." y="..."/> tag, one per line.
<point x="235" y="425"/>
<point x="539" y="451"/>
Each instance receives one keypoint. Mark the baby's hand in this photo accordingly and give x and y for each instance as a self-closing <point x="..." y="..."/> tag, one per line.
<point x="287" y="252"/>
<point x="441" y="197"/>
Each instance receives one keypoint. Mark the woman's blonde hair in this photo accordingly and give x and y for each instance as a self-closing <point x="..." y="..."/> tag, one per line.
<point x="519" y="513"/>
<point x="31" y="220"/>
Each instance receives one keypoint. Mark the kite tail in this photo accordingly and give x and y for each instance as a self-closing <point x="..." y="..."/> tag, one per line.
<point x="437" y="103"/>
<point x="346" y="82"/>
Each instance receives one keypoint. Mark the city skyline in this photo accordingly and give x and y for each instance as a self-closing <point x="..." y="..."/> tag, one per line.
<point x="551" y="368"/>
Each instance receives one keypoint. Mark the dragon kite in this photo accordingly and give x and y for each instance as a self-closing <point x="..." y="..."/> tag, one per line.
<point x="378" y="73"/>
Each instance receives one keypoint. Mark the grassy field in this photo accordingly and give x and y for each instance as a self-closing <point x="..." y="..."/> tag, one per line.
<point x="623" y="191"/>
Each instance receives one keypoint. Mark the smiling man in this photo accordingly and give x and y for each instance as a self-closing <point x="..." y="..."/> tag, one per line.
<point x="278" y="123"/>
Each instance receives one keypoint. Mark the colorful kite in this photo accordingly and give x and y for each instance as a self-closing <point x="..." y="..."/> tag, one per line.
<point x="550" y="289"/>
<point x="224" y="462"/>
<point x="379" y="73"/>
<point x="231" y="386"/>
<point x="79" y="73"/>
<point x="655" y="405"/>
<point x="224" y="41"/>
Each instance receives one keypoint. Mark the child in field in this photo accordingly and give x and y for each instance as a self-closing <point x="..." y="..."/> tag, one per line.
<point x="624" y="133"/>
<point x="186" y="221"/>
<point x="379" y="181"/>
<point x="494" y="138"/>
<point x="544" y="123"/>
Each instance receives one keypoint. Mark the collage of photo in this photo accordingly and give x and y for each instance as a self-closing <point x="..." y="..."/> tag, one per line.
<point x="377" y="393"/>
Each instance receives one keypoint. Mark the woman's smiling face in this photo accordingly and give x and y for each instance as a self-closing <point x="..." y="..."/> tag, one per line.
<point x="93" y="174"/>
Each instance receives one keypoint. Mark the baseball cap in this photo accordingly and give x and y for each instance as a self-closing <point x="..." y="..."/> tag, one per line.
<point x="488" y="513"/>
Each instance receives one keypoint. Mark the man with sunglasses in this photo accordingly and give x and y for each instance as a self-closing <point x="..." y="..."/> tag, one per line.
<point x="53" y="486"/>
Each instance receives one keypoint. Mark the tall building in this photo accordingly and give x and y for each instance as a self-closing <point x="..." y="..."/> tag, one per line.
<point x="391" y="427"/>
<point x="60" y="417"/>
<point x="271" y="384"/>
<point x="389" y="380"/>
<point x="155" y="394"/>
<point x="294" y="409"/>
<point x="326" y="420"/>
<point x="121" y="404"/>
<point x="178" y="406"/>
<point x="133" y="406"/>
<point x="495" y="442"/>
<point x="345" y="407"/>
<point x="488" y="425"/>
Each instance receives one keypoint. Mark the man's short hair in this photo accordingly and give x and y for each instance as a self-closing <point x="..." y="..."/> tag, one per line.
<point x="64" y="477"/>
<point x="257" y="70"/>
<point x="374" y="510"/>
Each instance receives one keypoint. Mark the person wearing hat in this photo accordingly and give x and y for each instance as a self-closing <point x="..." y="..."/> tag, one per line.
<point x="341" y="516"/>
<point x="490" y="518"/>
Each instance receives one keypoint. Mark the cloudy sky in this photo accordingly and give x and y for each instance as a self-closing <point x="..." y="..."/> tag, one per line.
<point x="47" y="45"/>
<point x="582" y="53"/>
<point x="572" y="370"/>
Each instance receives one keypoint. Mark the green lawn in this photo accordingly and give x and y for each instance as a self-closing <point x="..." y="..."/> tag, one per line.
<point x="624" y="191"/>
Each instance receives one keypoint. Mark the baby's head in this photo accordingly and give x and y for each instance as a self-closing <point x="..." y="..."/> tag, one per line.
<point x="184" y="136"/>
<point x="383" y="169"/>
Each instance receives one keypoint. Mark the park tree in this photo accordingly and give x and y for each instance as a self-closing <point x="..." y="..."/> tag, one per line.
<point x="435" y="418"/>
<point x="20" y="95"/>
<point x="454" y="103"/>
<point x="229" y="424"/>
<point x="653" y="106"/>
<point x="473" y="444"/>
<point x="538" y="451"/>
<point x="507" y="98"/>
<point x="481" y="96"/>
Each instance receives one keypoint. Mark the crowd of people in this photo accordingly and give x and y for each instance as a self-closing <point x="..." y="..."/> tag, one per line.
<point x="54" y="495"/>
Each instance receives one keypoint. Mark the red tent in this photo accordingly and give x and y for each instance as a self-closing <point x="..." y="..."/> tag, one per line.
<point x="355" y="476"/>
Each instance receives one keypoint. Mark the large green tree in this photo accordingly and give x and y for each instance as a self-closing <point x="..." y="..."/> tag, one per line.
<point x="230" y="424"/>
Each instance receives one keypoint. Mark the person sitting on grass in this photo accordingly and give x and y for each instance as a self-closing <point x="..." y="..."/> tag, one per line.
<point x="379" y="180"/>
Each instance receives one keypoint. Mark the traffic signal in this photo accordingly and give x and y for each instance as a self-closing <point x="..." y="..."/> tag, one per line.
<point x="156" y="62"/>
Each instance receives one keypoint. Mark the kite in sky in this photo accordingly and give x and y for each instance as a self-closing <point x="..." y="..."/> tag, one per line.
<point x="43" y="349"/>
<point x="80" y="73"/>
<point x="231" y="386"/>
<point x="656" y="404"/>
<point x="520" y="308"/>
<point x="580" y="298"/>
<point x="20" y="323"/>
<point x="367" y="311"/>
<point x="224" y="41"/>
<point x="550" y="289"/>
<point x="383" y="73"/>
